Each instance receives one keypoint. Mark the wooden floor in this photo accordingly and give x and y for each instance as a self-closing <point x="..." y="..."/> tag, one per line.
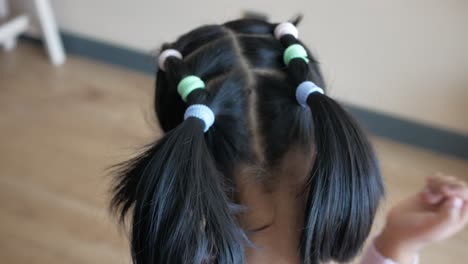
<point x="61" y="127"/>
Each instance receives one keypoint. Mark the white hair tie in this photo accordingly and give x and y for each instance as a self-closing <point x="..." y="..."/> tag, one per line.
<point x="305" y="89"/>
<point x="286" y="28"/>
<point x="165" y="55"/>
<point x="201" y="112"/>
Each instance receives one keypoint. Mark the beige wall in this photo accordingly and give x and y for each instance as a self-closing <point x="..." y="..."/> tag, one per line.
<point x="408" y="58"/>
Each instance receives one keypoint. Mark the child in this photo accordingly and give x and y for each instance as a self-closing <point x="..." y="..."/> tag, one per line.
<point x="257" y="164"/>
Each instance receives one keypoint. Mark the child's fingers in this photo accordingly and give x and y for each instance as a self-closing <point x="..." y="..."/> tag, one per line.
<point x="445" y="180"/>
<point x="430" y="197"/>
<point x="450" y="211"/>
<point x="465" y="213"/>
<point x="441" y="177"/>
<point x="458" y="191"/>
<point x="447" y="183"/>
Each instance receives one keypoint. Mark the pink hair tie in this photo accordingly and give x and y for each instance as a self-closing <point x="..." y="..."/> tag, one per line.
<point x="166" y="54"/>
<point x="284" y="29"/>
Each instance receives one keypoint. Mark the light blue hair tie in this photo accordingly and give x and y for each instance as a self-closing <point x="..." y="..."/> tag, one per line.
<point x="201" y="112"/>
<point x="304" y="90"/>
<point x="188" y="84"/>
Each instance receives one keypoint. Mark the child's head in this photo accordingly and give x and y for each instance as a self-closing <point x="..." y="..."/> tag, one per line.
<point x="181" y="189"/>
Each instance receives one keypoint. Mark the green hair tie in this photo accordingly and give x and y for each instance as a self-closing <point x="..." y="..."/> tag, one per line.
<point x="188" y="84"/>
<point x="295" y="51"/>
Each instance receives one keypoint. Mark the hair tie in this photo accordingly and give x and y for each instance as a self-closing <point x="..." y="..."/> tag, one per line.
<point x="188" y="84"/>
<point x="295" y="51"/>
<point x="201" y="112"/>
<point x="284" y="29"/>
<point x="304" y="90"/>
<point x="165" y="55"/>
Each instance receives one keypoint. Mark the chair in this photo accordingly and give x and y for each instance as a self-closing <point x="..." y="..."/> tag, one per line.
<point x="11" y="28"/>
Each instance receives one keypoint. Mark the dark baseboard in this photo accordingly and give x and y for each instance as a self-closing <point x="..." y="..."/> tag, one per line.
<point x="413" y="133"/>
<point x="380" y="124"/>
<point x="104" y="52"/>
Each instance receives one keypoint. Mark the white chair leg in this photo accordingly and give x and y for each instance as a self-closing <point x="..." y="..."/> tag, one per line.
<point x="50" y="32"/>
<point x="10" y="30"/>
<point x="3" y="8"/>
<point x="9" y="44"/>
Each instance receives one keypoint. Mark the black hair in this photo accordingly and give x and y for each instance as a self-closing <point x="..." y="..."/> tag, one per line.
<point x="181" y="190"/>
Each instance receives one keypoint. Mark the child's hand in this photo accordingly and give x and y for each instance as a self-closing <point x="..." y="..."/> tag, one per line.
<point x="434" y="214"/>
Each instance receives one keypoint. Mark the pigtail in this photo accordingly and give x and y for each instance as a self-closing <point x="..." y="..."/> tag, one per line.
<point x="344" y="186"/>
<point x="181" y="213"/>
